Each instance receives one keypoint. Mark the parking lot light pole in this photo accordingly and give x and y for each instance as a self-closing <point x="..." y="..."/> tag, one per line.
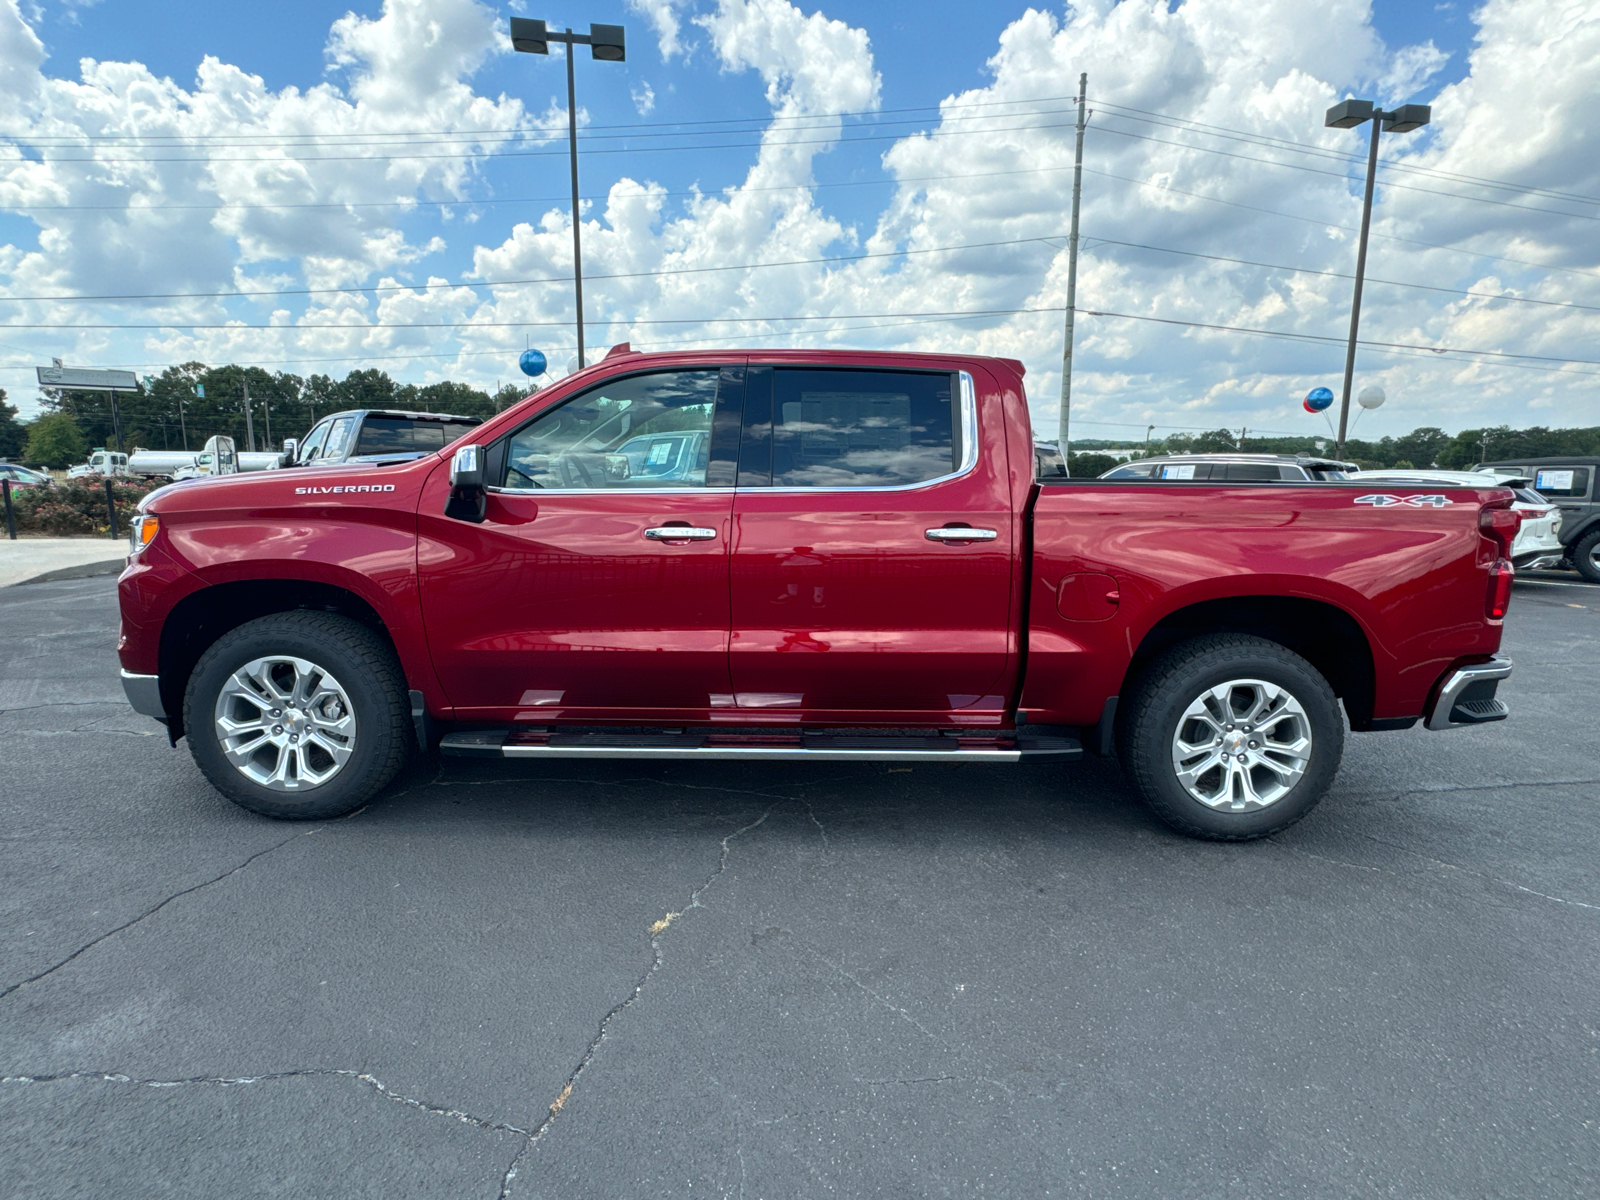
<point x="1348" y="114"/>
<point x="606" y="43"/>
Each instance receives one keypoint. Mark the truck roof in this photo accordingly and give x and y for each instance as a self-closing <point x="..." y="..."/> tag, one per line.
<point x="1304" y="460"/>
<point x="406" y="414"/>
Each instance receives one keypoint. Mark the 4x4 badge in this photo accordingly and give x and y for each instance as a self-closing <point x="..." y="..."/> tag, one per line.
<point x="1383" y="500"/>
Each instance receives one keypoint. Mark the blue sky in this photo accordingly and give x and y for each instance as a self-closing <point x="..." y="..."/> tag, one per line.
<point x="1158" y="186"/>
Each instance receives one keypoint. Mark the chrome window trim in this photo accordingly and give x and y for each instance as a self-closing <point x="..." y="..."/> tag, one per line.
<point x="969" y="457"/>
<point x="616" y="491"/>
<point x="969" y="462"/>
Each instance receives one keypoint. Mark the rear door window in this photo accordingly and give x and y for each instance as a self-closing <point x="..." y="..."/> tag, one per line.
<point x="848" y="428"/>
<point x="403" y="435"/>
<point x="1252" y="471"/>
<point x="1567" y="482"/>
<point x="1138" y="472"/>
<point x="1184" y="471"/>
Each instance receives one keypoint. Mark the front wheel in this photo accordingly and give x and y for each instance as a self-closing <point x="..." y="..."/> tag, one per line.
<point x="298" y="715"/>
<point x="1232" y="737"/>
<point x="1586" y="556"/>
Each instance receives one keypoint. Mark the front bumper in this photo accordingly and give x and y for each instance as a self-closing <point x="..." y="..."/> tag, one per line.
<point x="144" y="693"/>
<point x="1467" y="696"/>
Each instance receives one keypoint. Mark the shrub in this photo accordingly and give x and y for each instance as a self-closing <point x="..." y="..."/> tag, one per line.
<point x="79" y="507"/>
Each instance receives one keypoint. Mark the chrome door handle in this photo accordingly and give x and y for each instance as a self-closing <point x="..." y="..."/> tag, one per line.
<point x="960" y="534"/>
<point x="679" y="533"/>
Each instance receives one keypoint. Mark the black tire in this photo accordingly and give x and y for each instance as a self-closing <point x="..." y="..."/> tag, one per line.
<point x="1181" y="677"/>
<point x="368" y="675"/>
<point x="1586" y="556"/>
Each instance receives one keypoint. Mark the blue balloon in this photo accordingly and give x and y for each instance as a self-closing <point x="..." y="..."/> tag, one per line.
<point x="532" y="362"/>
<point x="1318" y="399"/>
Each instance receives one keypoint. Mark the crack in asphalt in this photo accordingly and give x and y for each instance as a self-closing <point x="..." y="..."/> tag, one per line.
<point x="1439" y="862"/>
<point x="152" y="910"/>
<point x="363" y="1077"/>
<point x="656" y="959"/>
<point x="883" y="1000"/>
<point x="1393" y="797"/>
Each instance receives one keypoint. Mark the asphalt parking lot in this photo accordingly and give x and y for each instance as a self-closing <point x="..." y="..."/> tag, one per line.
<point x="603" y="980"/>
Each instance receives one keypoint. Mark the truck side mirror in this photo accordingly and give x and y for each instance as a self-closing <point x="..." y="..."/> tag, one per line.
<point x="290" y="449"/>
<point x="469" y="500"/>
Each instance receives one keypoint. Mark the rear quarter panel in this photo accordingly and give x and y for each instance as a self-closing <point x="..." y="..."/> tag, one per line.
<point x="1413" y="578"/>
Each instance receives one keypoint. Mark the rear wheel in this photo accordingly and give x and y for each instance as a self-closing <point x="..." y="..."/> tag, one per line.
<point x="298" y="715"/>
<point x="1232" y="737"/>
<point x="1586" y="556"/>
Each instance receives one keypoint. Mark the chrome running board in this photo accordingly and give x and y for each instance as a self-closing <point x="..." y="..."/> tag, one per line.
<point x="1000" y="747"/>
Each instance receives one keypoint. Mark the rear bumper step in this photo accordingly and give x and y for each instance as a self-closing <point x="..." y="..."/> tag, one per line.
<point x="1467" y="696"/>
<point x="726" y="744"/>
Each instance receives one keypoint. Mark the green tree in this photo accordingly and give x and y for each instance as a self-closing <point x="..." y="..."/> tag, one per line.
<point x="55" y="441"/>
<point x="13" y="434"/>
<point x="1087" y="466"/>
<point x="458" y="398"/>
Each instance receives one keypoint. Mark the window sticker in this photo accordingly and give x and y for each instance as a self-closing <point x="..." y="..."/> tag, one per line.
<point x="1186" y="471"/>
<point x="660" y="453"/>
<point x="1556" y="481"/>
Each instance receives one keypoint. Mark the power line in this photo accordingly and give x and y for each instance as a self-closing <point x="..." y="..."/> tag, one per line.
<point x="1272" y="212"/>
<point x="863" y="112"/>
<point x="1317" y="337"/>
<point x="413" y="202"/>
<point x="1409" y="187"/>
<point x="1245" y="262"/>
<point x="988" y="312"/>
<point x="541" y="279"/>
<point x="699" y="147"/>
<point x="1399" y="164"/>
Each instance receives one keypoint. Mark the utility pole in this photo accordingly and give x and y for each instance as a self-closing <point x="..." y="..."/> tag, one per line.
<point x="181" y="425"/>
<point x="266" y="411"/>
<point x="1064" y="432"/>
<point x="249" y="427"/>
<point x="577" y="221"/>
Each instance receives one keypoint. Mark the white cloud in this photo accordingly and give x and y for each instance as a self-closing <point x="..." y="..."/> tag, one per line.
<point x="663" y="17"/>
<point x="1259" y="73"/>
<point x="644" y="98"/>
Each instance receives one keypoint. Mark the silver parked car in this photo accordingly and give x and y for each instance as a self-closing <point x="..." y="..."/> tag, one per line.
<point x="1538" y="540"/>
<point x="1234" y="468"/>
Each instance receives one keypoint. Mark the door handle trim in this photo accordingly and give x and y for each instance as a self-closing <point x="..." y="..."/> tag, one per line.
<point x="680" y="533"/>
<point x="960" y="534"/>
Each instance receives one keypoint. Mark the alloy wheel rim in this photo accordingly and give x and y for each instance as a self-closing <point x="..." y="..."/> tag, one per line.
<point x="285" y="723"/>
<point x="1242" y="745"/>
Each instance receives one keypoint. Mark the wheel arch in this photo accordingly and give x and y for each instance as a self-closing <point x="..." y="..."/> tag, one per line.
<point x="203" y="616"/>
<point x="1323" y="634"/>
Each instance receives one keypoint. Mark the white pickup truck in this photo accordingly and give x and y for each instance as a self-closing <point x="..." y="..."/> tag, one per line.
<point x="101" y="462"/>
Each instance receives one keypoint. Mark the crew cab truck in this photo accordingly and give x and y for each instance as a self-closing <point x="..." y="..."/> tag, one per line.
<point x="862" y="566"/>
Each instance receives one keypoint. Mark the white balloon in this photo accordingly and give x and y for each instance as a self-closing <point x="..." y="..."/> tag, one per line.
<point x="1371" y="397"/>
<point x="572" y="364"/>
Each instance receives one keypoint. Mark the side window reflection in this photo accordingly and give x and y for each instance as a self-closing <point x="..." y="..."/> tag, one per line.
<point x="649" y="431"/>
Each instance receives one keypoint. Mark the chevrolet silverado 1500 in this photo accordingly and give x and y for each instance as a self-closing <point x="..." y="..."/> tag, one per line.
<point x="804" y="555"/>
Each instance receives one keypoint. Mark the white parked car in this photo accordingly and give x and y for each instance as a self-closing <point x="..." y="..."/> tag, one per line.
<point x="1538" y="541"/>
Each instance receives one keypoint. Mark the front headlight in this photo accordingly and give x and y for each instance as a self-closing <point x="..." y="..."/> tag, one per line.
<point x="141" y="530"/>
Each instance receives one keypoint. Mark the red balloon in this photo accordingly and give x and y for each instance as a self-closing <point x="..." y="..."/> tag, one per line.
<point x="1306" y="404"/>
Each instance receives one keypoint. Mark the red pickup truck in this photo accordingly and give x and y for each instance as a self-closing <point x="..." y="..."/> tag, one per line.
<point x="804" y="555"/>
